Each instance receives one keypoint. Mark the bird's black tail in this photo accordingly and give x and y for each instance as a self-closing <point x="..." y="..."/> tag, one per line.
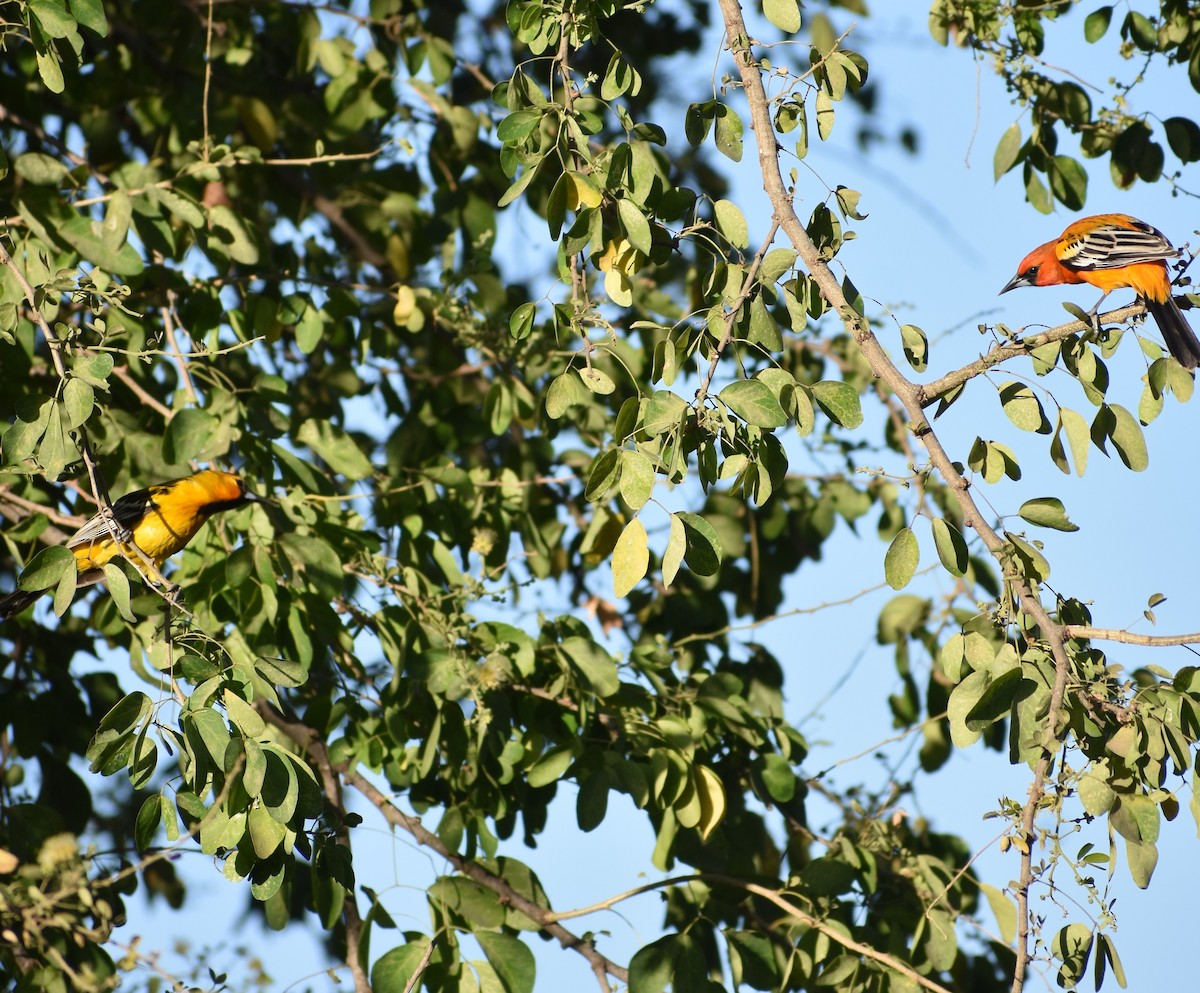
<point x="14" y="603"/>
<point x="1177" y="333"/>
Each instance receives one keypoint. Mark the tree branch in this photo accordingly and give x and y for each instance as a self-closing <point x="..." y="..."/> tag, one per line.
<point x="314" y="746"/>
<point x="315" y="749"/>
<point x="602" y="966"/>
<point x="1129" y="638"/>
<point x="911" y="397"/>
<point x="931" y="392"/>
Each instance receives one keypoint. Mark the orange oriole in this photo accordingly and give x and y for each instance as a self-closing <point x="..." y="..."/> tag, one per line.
<point x="1115" y="251"/>
<point x="160" y="520"/>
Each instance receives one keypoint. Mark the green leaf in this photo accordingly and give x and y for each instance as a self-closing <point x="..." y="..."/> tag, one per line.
<point x="603" y="476"/>
<point x="731" y="222"/>
<point x="551" y="766"/>
<point x="596" y="381"/>
<point x="149" y="818"/>
<point x="1183" y="135"/>
<point x="244" y="717"/>
<point x="620" y="78"/>
<point x="993" y="460"/>
<point x="1095" y="794"/>
<point x="1033" y="562"/>
<point x="266" y="833"/>
<point x="652" y="968"/>
<point x="118" y="589"/>
<point x="511" y="958"/>
<point x="191" y="434"/>
<point x="78" y="400"/>
<point x="521" y="321"/>
<point x="778" y="777"/>
<point x="50" y="70"/>
<point x="396" y="967"/>
<point x="1072" y="945"/>
<point x="1128" y="440"/>
<point x="595" y="664"/>
<point x="1047" y="512"/>
<point x="1007" y="151"/>
<point x="180" y="204"/>
<point x="631" y="558"/>
<point x="839" y="401"/>
<point x="663" y="411"/>
<point x="995" y="701"/>
<point x="1094" y="27"/>
<point x="825" y="114"/>
<point x="336" y="448"/>
<point x="1108" y="952"/>
<point x="53" y="18"/>
<point x="565" y="391"/>
<point x="847" y="201"/>
<point x="775" y="263"/>
<point x="228" y="235"/>
<point x="763" y="330"/>
<point x="703" y="552"/>
<point x="711" y="793"/>
<point x="1068" y="182"/>
<point x="518" y="125"/>
<point x="39" y="169"/>
<point x="729" y="131"/>
<point x="1004" y="909"/>
<point x="46" y="568"/>
<point x="637" y="478"/>
<point x="915" y="345"/>
<point x="1023" y="408"/>
<point x="1078" y="436"/>
<point x="784" y="14"/>
<point x="901" y="560"/>
<point x="637" y="228"/>
<point x="963" y="699"/>
<point x="753" y="401"/>
<point x="951" y="547"/>
<point x="93" y="369"/>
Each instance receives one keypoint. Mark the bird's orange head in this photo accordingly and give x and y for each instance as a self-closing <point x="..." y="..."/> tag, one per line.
<point x="1041" y="267"/>
<point x="214" y="491"/>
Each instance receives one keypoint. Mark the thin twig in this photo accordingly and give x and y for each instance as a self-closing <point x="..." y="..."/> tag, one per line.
<point x="421" y="967"/>
<point x="122" y="373"/>
<point x="170" y="320"/>
<point x="730" y="316"/>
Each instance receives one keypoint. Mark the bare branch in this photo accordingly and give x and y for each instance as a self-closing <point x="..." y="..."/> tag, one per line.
<point x="1129" y="638"/>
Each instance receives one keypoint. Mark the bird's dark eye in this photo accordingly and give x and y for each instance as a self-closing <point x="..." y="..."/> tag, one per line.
<point x="1031" y="272"/>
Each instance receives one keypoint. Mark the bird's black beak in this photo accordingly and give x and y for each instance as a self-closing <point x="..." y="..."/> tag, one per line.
<point x="249" y="496"/>
<point x="1012" y="284"/>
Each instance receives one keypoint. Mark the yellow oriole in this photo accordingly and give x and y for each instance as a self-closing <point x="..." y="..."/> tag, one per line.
<point x="1112" y="252"/>
<point x="160" y="520"/>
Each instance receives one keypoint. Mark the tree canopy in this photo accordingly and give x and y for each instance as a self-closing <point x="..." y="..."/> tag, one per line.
<point x="548" y="421"/>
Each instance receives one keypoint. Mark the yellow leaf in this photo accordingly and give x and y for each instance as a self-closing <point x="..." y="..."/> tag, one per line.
<point x="631" y="557"/>
<point x="406" y="302"/>
<point x="712" y="800"/>
<point x="582" y="192"/>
